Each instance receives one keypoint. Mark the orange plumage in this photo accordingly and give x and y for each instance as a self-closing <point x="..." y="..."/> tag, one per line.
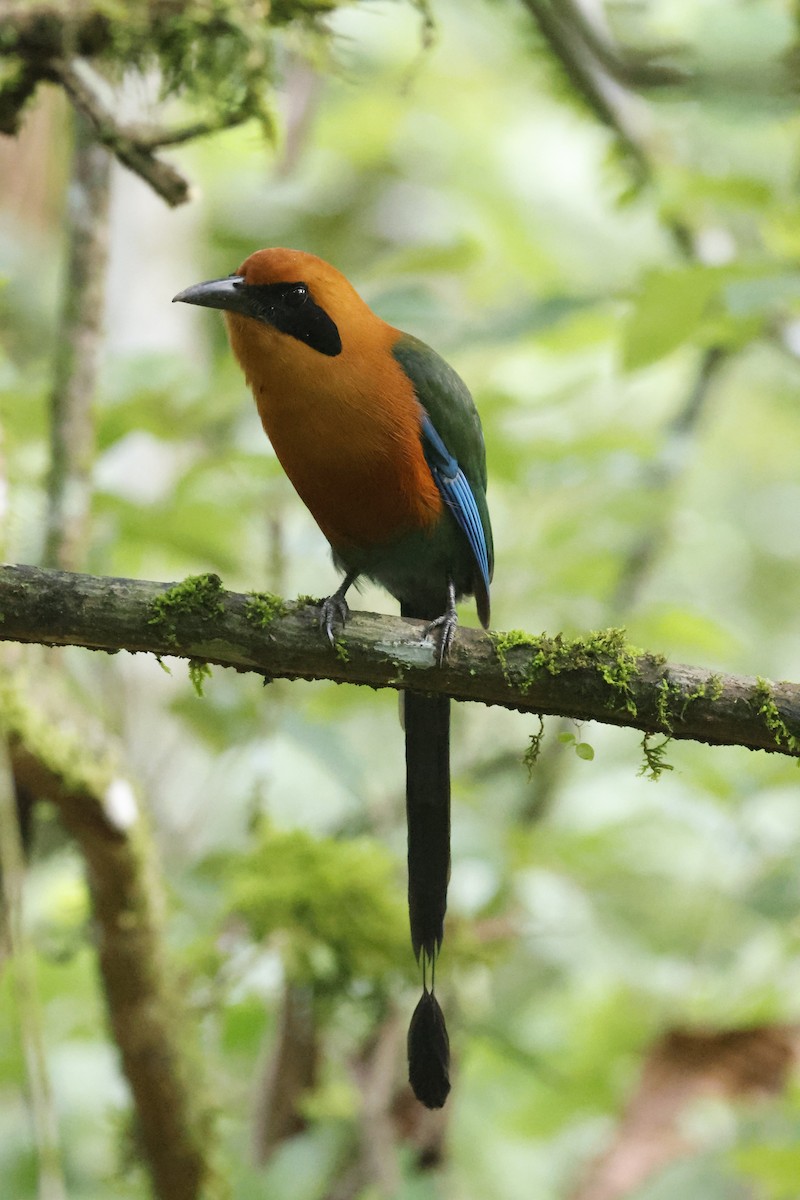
<point x="347" y="430"/>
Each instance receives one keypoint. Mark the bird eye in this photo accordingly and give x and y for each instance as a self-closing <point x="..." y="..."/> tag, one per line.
<point x="297" y="295"/>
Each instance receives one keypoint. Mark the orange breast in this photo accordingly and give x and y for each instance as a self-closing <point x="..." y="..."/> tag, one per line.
<point x="345" y="429"/>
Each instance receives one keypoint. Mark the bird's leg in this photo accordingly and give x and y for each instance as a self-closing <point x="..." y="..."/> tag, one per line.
<point x="335" y="608"/>
<point x="447" y="623"/>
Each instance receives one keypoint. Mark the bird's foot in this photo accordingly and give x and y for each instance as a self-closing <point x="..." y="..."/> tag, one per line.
<point x="333" y="609"/>
<point x="447" y="623"/>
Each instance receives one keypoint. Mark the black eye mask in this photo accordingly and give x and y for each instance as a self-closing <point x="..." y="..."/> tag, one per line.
<point x="290" y="308"/>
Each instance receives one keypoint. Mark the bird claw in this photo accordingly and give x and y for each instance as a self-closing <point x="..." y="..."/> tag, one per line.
<point x="332" y="609"/>
<point x="447" y="623"/>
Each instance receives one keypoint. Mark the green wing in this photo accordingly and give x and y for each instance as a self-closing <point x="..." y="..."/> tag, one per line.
<point x="451" y="409"/>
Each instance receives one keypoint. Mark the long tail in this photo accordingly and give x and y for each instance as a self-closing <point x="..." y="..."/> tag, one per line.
<point x="427" y="725"/>
<point x="427" y="720"/>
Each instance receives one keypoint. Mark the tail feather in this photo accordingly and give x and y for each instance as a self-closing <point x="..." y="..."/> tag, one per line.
<point x="427" y="722"/>
<point x="427" y="725"/>
<point x="429" y="1052"/>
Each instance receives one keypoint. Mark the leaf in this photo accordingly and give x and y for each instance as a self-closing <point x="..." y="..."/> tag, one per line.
<point x="668" y="312"/>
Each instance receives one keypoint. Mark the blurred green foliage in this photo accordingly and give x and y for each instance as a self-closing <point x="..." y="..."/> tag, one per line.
<point x="474" y="203"/>
<point x="337" y="902"/>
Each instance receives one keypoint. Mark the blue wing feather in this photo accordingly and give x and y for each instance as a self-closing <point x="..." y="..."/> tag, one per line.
<point x="457" y="494"/>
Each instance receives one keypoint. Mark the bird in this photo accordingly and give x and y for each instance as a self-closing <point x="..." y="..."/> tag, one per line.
<point x="382" y="441"/>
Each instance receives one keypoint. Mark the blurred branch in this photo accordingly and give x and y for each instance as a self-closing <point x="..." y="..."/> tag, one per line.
<point x="594" y="68"/>
<point x="146" y="1013"/>
<point x="133" y="146"/>
<point x="72" y="433"/>
<point x="634" y="68"/>
<point x="289" y="1074"/>
<point x="579" y="37"/>
<point x="596" y="677"/>
<point x="133" y="151"/>
<point x="682" y="1068"/>
<point x="23" y="976"/>
<point x="662" y="474"/>
<point x="53" y="43"/>
<point x="604" y="78"/>
<point x="376" y="1073"/>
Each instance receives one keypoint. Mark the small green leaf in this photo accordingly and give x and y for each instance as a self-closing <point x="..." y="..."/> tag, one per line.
<point x="585" y="751"/>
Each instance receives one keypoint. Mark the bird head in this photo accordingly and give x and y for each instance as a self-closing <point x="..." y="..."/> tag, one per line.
<point x="289" y="294"/>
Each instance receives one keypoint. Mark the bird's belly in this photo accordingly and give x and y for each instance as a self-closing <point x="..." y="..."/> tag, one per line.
<point x="358" y="505"/>
<point x="363" y="487"/>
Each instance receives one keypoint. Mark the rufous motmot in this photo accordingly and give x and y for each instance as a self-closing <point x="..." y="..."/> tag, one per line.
<point x="383" y="444"/>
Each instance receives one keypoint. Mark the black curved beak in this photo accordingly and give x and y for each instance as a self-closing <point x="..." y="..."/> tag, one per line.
<point x="230" y="294"/>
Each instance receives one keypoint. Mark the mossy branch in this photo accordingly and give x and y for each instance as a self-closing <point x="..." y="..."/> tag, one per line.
<point x="597" y="677"/>
<point x="173" y="1115"/>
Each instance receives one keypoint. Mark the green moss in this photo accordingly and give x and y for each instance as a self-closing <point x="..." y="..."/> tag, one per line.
<point x="503" y="642"/>
<point x="262" y="608"/>
<point x="196" y="596"/>
<point x="199" y="672"/>
<point x="341" y="651"/>
<point x="531" y="755"/>
<point x="607" y="652"/>
<point x="335" y="903"/>
<point x="655" y="762"/>
<point x="664" y="694"/>
<point x="767" y="709"/>
<point x="672" y="702"/>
